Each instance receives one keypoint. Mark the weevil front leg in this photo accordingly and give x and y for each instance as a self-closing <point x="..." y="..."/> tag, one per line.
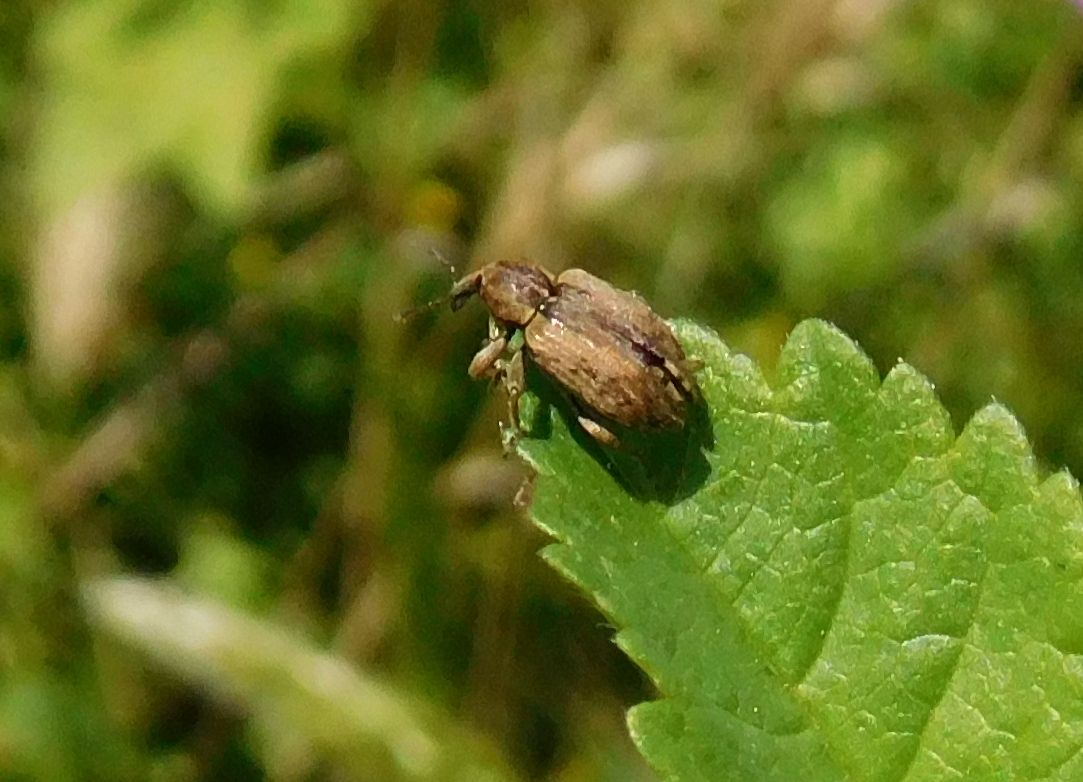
<point x="486" y="362"/>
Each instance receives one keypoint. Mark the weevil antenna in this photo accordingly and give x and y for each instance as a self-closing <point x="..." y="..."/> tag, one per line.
<point x="443" y="261"/>
<point x="413" y="312"/>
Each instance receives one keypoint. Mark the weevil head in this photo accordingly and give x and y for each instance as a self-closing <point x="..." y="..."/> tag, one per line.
<point x="512" y="290"/>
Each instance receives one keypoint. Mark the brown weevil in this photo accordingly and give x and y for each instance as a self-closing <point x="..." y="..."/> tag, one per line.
<point x="606" y="349"/>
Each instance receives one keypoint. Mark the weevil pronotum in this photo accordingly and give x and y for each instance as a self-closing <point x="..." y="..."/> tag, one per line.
<point x="606" y="349"/>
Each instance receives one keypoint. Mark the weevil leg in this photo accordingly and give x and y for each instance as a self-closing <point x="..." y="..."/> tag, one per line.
<point x="496" y="331"/>
<point x="486" y="362"/>
<point x="513" y="375"/>
<point x="525" y="494"/>
<point x="598" y="432"/>
<point x="514" y="385"/>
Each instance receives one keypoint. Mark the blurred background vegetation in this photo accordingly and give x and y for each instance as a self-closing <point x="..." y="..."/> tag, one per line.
<point x="211" y="211"/>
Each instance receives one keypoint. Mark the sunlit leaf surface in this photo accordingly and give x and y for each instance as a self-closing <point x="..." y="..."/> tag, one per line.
<point x="849" y="591"/>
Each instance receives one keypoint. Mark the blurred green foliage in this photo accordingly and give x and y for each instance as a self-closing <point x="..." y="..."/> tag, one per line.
<point x="212" y="211"/>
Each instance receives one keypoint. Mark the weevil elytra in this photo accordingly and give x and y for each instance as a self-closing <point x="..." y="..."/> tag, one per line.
<point x="606" y="349"/>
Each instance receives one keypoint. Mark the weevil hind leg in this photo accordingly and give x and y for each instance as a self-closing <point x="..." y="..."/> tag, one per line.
<point x="598" y="432"/>
<point x="524" y="495"/>
<point x="601" y="434"/>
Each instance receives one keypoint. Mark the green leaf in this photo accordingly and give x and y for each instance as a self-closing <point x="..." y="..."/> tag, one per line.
<point x="845" y="590"/>
<point x="138" y="84"/>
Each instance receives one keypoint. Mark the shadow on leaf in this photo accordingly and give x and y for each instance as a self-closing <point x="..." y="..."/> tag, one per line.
<point x="662" y="466"/>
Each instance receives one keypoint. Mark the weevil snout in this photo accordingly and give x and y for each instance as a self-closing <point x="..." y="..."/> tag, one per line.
<point x="465" y="289"/>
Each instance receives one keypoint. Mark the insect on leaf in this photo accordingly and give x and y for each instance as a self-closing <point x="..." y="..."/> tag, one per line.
<point x="848" y="591"/>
